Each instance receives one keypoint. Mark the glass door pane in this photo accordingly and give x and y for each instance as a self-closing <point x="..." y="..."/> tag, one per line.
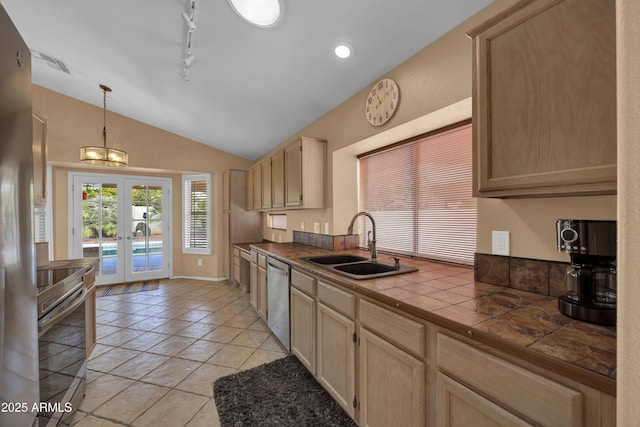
<point x="100" y="228"/>
<point x="147" y="247"/>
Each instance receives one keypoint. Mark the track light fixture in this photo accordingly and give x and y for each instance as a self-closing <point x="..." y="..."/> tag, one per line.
<point x="188" y="58"/>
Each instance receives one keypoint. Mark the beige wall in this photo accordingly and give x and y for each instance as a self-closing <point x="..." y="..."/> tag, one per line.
<point x="435" y="86"/>
<point x="628" y="64"/>
<point x="152" y="152"/>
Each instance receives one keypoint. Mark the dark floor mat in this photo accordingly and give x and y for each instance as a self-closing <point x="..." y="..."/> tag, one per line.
<point x="280" y="393"/>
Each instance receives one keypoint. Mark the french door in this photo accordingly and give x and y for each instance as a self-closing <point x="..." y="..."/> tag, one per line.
<point x="123" y="221"/>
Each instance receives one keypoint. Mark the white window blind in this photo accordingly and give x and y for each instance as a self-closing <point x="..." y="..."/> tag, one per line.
<point x="420" y="195"/>
<point x="196" y="208"/>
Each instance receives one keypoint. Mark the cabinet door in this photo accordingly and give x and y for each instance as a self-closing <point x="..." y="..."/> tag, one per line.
<point x="293" y="174"/>
<point x="545" y="100"/>
<point x="277" y="180"/>
<point x="257" y="186"/>
<point x="253" y="285"/>
<point x="249" y="192"/>
<point x="262" y="293"/>
<point x="336" y="356"/>
<point x="392" y="384"/>
<point x="266" y="184"/>
<point x="303" y="328"/>
<point x="39" y="158"/>
<point x="458" y="406"/>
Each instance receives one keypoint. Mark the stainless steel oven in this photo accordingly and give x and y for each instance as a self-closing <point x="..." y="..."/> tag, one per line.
<point x="62" y="344"/>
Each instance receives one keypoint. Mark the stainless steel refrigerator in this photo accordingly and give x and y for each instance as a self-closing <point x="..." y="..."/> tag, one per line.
<point x="18" y="317"/>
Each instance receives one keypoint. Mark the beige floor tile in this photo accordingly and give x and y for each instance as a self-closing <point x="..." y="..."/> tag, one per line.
<point x="273" y="344"/>
<point x="98" y="350"/>
<point x="259" y="325"/>
<point x="201" y="380"/>
<point x="196" y="330"/>
<point x="172" y="345"/>
<point x="126" y="320"/>
<point x="149" y="323"/>
<point x="111" y="359"/>
<point x="176" y="408"/>
<point x="172" y="372"/>
<point x="231" y="356"/>
<point x="139" y="366"/>
<point x="120" y="337"/>
<point x="91" y="421"/>
<point x="129" y="404"/>
<point x="251" y="339"/>
<point x="172" y="326"/>
<point x="194" y="315"/>
<point x="101" y="390"/>
<point x="145" y="341"/>
<point x="201" y="350"/>
<point x="223" y="334"/>
<point x="207" y="417"/>
<point x="242" y="320"/>
<point x="260" y="357"/>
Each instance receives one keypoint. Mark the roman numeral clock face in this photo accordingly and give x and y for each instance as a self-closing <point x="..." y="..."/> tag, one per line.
<point x="382" y="102"/>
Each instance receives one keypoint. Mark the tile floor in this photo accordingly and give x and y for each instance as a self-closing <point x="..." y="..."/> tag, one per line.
<point x="159" y="352"/>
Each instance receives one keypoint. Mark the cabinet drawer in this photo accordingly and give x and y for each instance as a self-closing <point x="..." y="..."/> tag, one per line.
<point x="245" y="255"/>
<point x="236" y="252"/>
<point x="254" y="257"/>
<point x="396" y="328"/>
<point x="303" y="282"/>
<point x="262" y="261"/>
<point x="537" y="398"/>
<point x="336" y="298"/>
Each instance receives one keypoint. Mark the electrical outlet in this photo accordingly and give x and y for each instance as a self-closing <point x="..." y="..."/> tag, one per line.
<point x="326" y="228"/>
<point x="302" y="226"/>
<point x="316" y="227"/>
<point x="199" y="262"/>
<point x="273" y="237"/>
<point x="500" y="242"/>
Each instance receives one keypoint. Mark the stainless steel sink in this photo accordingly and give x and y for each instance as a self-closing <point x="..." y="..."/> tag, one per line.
<point x="357" y="267"/>
<point x="335" y="259"/>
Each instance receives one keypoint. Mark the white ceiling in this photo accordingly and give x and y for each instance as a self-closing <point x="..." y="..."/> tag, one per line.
<point x="251" y="88"/>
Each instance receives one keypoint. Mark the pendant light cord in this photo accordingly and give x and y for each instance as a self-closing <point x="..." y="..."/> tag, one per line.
<point x="104" y="128"/>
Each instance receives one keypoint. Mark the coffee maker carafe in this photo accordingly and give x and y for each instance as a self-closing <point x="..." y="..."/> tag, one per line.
<point x="591" y="278"/>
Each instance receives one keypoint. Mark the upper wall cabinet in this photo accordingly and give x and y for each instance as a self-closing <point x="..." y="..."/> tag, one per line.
<point x="544" y="100"/>
<point x="267" y="195"/>
<point x="277" y="179"/>
<point x="305" y="170"/>
<point x="39" y="158"/>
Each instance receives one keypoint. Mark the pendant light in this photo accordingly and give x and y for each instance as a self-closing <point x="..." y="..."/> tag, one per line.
<point x="104" y="156"/>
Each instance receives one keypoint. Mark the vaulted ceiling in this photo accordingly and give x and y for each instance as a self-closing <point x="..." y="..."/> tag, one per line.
<point x="250" y="88"/>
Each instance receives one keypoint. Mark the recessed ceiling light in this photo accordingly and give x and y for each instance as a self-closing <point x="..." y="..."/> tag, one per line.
<point x="262" y="13"/>
<point x="343" y="50"/>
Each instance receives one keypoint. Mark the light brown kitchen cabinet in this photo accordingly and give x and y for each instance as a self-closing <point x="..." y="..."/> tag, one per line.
<point x="257" y="186"/>
<point x="335" y="357"/>
<point x="262" y="286"/>
<point x="305" y="173"/>
<point x="90" y="310"/>
<point x="544" y="100"/>
<point x="277" y="179"/>
<point x="253" y="284"/>
<point x="249" y="190"/>
<point x="39" y="121"/>
<point x="392" y="384"/>
<point x="541" y="402"/>
<point x="303" y="328"/>
<point x="266" y="184"/>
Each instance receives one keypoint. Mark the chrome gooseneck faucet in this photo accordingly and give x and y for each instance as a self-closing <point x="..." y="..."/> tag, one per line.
<point x="370" y="242"/>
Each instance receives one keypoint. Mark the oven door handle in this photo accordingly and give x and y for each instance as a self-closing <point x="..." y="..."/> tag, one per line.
<point x="66" y="307"/>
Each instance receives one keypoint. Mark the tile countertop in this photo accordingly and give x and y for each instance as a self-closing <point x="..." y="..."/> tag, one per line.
<point x="524" y="324"/>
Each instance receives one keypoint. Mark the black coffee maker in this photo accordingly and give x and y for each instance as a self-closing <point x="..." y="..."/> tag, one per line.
<point x="591" y="278"/>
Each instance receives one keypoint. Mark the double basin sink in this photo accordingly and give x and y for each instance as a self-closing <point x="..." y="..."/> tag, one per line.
<point x="357" y="267"/>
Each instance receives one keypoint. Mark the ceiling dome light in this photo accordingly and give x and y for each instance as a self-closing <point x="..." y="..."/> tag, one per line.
<point x="343" y="50"/>
<point x="262" y="13"/>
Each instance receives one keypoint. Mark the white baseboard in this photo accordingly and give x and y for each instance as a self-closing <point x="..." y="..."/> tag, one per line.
<point x="210" y="279"/>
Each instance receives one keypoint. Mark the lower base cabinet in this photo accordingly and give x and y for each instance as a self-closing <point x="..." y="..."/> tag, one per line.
<point x="336" y="357"/>
<point x="90" y="310"/>
<point x="253" y="285"/>
<point x="303" y="328"/>
<point x="392" y="384"/>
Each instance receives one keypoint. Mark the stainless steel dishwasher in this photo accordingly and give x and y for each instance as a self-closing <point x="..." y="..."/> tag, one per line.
<point x="278" y="299"/>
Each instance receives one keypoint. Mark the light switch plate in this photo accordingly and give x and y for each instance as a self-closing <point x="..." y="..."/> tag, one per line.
<point x="316" y="227"/>
<point x="500" y="242"/>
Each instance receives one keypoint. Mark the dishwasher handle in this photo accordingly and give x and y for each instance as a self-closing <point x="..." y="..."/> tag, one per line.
<point x="276" y="270"/>
<point x="66" y="307"/>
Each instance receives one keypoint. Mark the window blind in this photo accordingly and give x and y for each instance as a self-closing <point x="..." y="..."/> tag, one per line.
<point x="196" y="214"/>
<point x="420" y="195"/>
